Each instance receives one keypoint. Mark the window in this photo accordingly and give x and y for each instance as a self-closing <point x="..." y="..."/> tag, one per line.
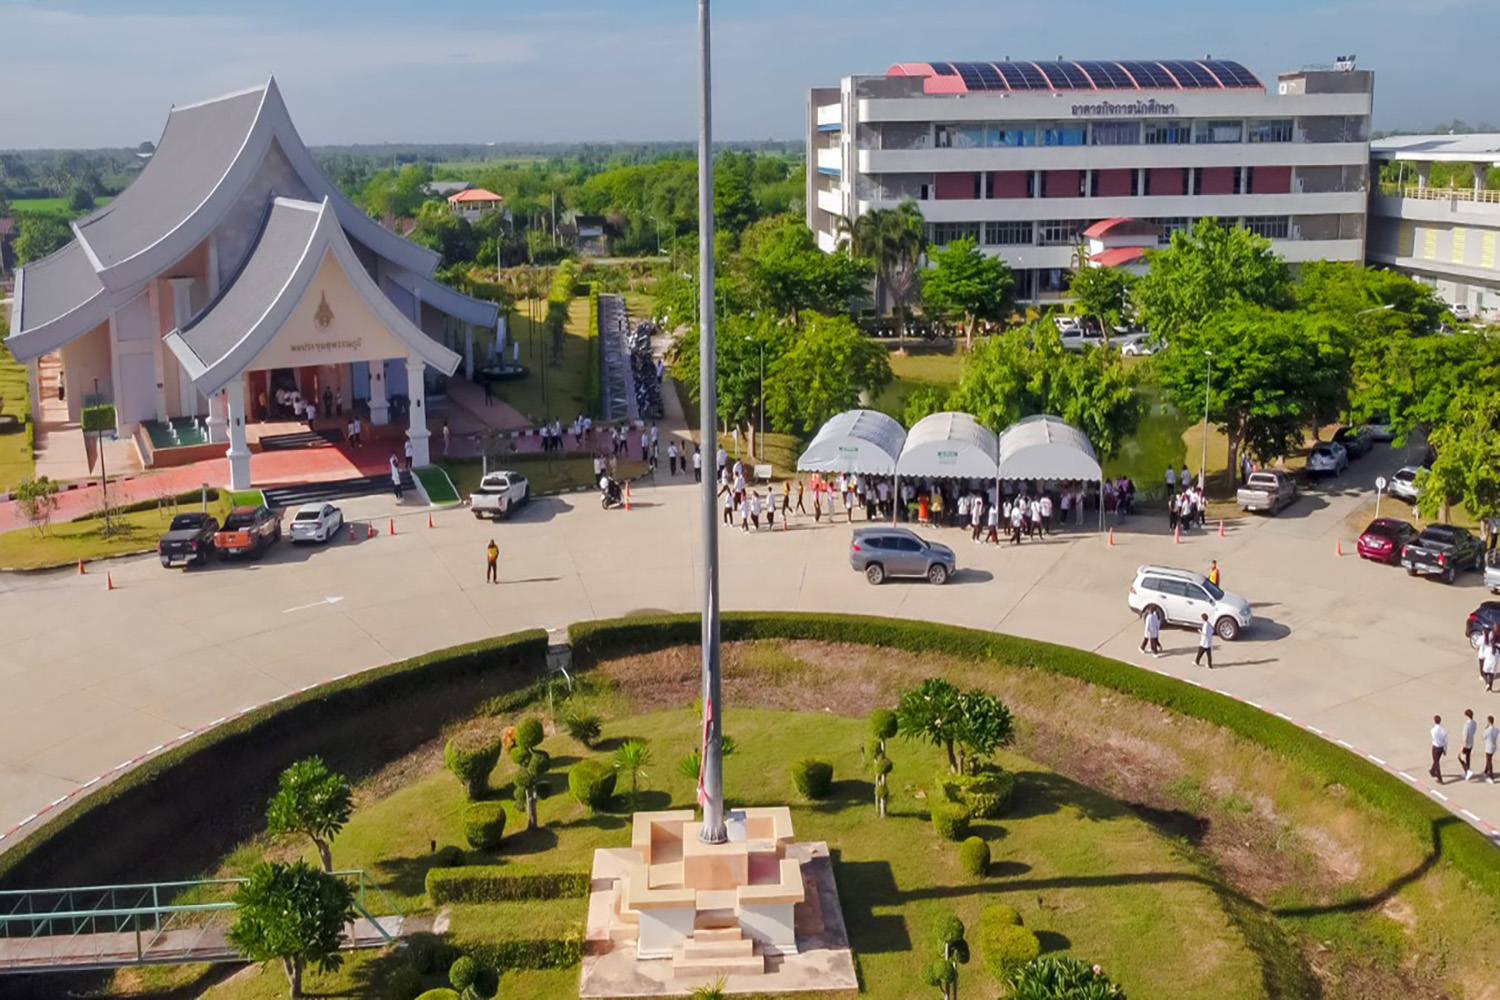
<point x="1008" y="234"/>
<point x="1272" y="227"/>
<point x="1271" y="130"/>
<point x="1220" y="131"/>
<point x="944" y="233"/>
<point x="1170" y="226"/>
<point x="1064" y="135"/>
<point x="951" y="136"/>
<point x="1060" y="232"/>
<point x="1115" y="133"/>
<point x="1168" y="133"/>
<point x="1009" y="136"/>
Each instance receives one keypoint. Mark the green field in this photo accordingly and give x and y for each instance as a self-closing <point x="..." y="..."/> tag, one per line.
<point x="56" y="206"/>
<point x="920" y="366"/>
<point x="550" y="391"/>
<point x="15" y="416"/>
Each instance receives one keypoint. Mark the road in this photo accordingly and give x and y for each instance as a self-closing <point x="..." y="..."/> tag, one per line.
<point x="93" y="679"/>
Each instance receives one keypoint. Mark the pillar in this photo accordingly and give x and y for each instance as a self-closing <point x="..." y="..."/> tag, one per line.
<point x="416" y="422"/>
<point x="1480" y="172"/>
<point x="380" y="414"/>
<point x="239" y="451"/>
<point x="1424" y="171"/>
<point x="218" y="418"/>
<point x="182" y="313"/>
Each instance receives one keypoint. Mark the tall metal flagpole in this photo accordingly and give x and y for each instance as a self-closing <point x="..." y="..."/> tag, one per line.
<point x="711" y="780"/>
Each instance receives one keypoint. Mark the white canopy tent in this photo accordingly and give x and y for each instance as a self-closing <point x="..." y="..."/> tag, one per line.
<point x="1043" y="447"/>
<point x="865" y="442"/>
<point x="949" y="446"/>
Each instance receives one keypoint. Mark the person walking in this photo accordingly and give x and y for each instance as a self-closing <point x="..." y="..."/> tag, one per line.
<point x="1035" y="510"/>
<point x="801" y="509"/>
<point x="447" y="438"/>
<point x="745" y="513"/>
<point x="1491" y="737"/>
<point x="1439" y="747"/>
<point x="1171" y="481"/>
<point x="492" y="563"/>
<point x="1213" y="572"/>
<point x="755" y="509"/>
<point x="992" y="537"/>
<point x="407" y="449"/>
<point x="1184" y="479"/>
<point x="396" y="478"/>
<point x="728" y="495"/>
<point x="697" y="465"/>
<point x="672" y="458"/>
<point x="1489" y="655"/>
<point x="817" y="502"/>
<point x="1205" y="643"/>
<point x="1466" y="751"/>
<point x="1046" y="504"/>
<point x="1151" y="641"/>
<point x="1017" y="521"/>
<point x="786" y="500"/>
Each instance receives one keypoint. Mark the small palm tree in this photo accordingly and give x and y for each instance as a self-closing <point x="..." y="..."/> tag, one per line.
<point x="710" y="991"/>
<point x="632" y="757"/>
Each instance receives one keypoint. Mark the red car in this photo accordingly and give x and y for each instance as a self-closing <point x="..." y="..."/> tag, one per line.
<point x="1383" y="539"/>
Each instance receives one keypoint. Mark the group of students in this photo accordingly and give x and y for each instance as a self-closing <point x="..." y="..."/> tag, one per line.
<point x="1186" y="504"/>
<point x="1152" y="617"/>
<point x="1491" y="737"/>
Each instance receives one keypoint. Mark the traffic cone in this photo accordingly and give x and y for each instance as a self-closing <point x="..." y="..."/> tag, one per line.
<point x="785" y="517"/>
<point x="1221" y="527"/>
<point x="627" y="494"/>
<point x="1177" y="536"/>
<point x="429" y="519"/>
<point x="109" y="582"/>
<point x="393" y="525"/>
<point x="1338" y="548"/>
<point x="1111" y="537"/>
<point x="80" y="567"/>
<point x="369" y="531"/>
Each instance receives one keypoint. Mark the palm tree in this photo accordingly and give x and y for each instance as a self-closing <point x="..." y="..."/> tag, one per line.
<point x="894" y="239"/>
<point x="632" y="757"/>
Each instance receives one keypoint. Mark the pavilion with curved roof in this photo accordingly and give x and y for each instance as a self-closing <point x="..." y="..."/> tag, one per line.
<point x="866" y="442"/>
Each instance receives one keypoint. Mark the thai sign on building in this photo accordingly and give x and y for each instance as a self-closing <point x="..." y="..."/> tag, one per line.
<point x="1109" y="109"/>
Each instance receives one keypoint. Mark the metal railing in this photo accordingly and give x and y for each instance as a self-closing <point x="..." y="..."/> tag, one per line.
<point x="1441" y="193"/>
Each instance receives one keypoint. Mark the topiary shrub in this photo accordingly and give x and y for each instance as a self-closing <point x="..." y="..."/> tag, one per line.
<point x="428" y="952"/>
<point x="441" y="993"/>
<point x="583" y="727"/>
<point x="813" y="778"/>
<point x="974" y="856"/>
<point x="529" y="733"/>
<point x="882" y="726"/>
<point x="403" y="983"/>
<point x="462" y="973"/>
<point x="988" y="794"/>
<point x="592" y="784"/>
<point x="1005" y="946"/>
<point x="471" y="756"/>
<point x="998" y="914"/>
<point x="484" y="824"/>
<point x="451" y="856"/>
<point x="950" y="820"/>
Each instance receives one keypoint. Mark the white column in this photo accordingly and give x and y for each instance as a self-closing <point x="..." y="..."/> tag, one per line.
<point x="218" y="418"/>
<point x="182" y="314"/>
<point x="239" y="451"/>
<point x="416" y="422"/>
<point x="380" y="413"/>
<point x="469" y="351"/>
<point x="158" y="351"/>
<point x="117" y="394"/>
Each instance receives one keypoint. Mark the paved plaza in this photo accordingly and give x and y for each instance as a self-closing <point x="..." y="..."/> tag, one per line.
<point x="90" y="679"/>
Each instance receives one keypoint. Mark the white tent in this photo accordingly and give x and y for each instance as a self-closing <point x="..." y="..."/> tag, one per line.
<point x="860" y="441"/>
<point x="1043" y="447"/>
<point x="949" y="446"/>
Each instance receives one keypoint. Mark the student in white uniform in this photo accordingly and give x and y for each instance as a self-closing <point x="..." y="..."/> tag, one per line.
<point x="1205" y="643"/>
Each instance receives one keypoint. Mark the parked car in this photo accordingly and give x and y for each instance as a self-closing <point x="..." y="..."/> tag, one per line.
<point x="1461" y="313"/>
<point x="1380" y="428"/>
<point x="1183" y="596"/>
<point x="1327" y="458"/>
<point x="1403" y="484"/>
<point x="1137" y="345"/>
<point x="1480" y="620"/>
<point x="189" y="539"/>
<point x="881" y="553"/>
<point x="499" y="494"/>
<point x="248" y="531"/>
<point x="1268" y="490"/>
<point x="316" y="522"/>
<point x="1443" y="550"/>
<point x="1384" y="538"/>
<point x="1492" y="572"/>
<point x="1355" y="440"/>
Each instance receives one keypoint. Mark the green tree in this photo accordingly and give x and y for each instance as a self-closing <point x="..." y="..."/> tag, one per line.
<point x="314" y="801"/>
<point x="81" y="199"/>
<point x="734" y="195"/>
<point x="36" y="499"/>
<point x="1102" y="294"/>
<point x="531" y="783"/>
<point x="1205" y="271"/>
<point x="739" y="341"/>
<point x="894" y="240"/>
<point x="944" y="974"/>
<point x="294" y="914"/>
<point x="451" y="236"/>
<point x="923" y="401"/>
<point x="985" y="726"/>
<point x="824" y="371"/>
<point x="39" y="234"/>
<point x="632" y="757"/>
<point x="967" y="282"/>
<point x="785" y="272"/>
<point x="932" y="712"/>
<point x="1467" y="467"/>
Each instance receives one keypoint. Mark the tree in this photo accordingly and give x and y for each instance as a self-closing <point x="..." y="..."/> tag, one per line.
<point x="1103" y="294"/>
<point x="967" y="282"/>
<point x="1208" y="270"/>
<point x="632" y="757"/>
<point x="923" y="401"/>
<point x="1058" y="977"/>
<point x="740" y="341"/>
<point x="39" y="234"/>
<point x="36" y="499"/>
<point x="81" y="199"/>
<point x="450" y="235"/>
<point x="734" y="197"/>
<point x="314" y="801"/>
<point x="1467" y="466"/>
<point x="894" y="240"/>
<point x="944" y="974"/>
<point x="985" y="725"/>
<point x="785" y="272"/>
<point x="824" y="371"/>
<point x="531" y="784"/>
<point x="932" y="712"/>
<point x="292" y="913"/>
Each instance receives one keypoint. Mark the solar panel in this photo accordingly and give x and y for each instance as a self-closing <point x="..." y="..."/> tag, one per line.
<point x="1150" y="75"/>
<point x="943" y="69"/>
<point x="1065" y="76"/>
<point x="1232" y="74"/>
<point x="969" y="73"/>
<point x="1190" y="75"/>
<point x="1023" y="76"/>
<point x="990" y="76"/>
<point x="1108" y="75"/>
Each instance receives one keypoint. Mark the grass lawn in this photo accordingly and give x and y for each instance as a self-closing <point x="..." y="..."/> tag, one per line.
<point x="66" y="543"/>
<point x="545" y="473"/>
<point x="920" y="366"/>
<point x="550" y="391"/>
<point x="16" y="462"/>
<point x="439" y="487"/>
<point x="247" y="498"/>
<point x="57" y="206"/>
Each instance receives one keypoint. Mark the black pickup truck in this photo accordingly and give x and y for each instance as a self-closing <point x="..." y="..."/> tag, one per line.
<point x="189" y="539"/>
<point x="1443" y="550"/>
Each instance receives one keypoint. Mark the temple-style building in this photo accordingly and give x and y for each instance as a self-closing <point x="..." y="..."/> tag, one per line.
<point x="233" y="268"/>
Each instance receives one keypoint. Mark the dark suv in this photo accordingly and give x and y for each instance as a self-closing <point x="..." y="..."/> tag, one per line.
<point x="879" y="553"/>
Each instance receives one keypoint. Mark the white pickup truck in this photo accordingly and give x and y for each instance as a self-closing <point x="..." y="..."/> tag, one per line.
<point x="499" y="494"/>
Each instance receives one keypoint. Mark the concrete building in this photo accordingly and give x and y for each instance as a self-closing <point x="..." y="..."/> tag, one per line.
<point x="1442" y="235"/>
<point x="1026" y="156"/>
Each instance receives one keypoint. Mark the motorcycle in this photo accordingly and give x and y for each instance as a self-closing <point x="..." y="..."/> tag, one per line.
<point x="610" y="494"/>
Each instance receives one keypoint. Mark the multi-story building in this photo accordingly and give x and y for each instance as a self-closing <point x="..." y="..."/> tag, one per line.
<point x="1025" y="156"/>
<point x="1441" y="234"/>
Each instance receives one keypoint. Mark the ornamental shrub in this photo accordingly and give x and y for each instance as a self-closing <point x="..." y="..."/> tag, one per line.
<point x="974" y="856"/>
<point x="529" y="733"/>
<point x="462" y="973"/>
<point x="1006" y="947"/>
<point x="484" y="824"/>
<point x="950" y="820"/>
<point x="813" y="778"/>
<point x="882" y="725"/>
<point x="1061" y="976"/>
<point x="471" y="756"/>
<point x="988" y="793"/>
<point x="499" y="884"/>
<point x="592" y="784"/>
<point x="429" y="953"/>
<point x="999" y="915"/>
<point x="441" y="993"/>
<point x="451" y="856"/>
<point x="583" y="727"/>
<point x="403" y="983"/>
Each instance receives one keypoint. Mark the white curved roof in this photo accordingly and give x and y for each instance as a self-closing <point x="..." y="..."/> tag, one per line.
<point x="863" y="441"/>
<point x="951" y="445"/>
<point x="1043" y="447"/>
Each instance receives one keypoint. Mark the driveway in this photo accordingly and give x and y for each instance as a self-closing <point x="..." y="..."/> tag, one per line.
<point x="93" y="680"/>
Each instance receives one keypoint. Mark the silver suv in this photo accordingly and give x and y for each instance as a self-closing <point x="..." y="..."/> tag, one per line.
<point x="879" y="553"/>
<point x="1183" y="597"/>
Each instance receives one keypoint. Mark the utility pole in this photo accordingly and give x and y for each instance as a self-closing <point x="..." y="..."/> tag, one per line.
<point x="711" y="775"/>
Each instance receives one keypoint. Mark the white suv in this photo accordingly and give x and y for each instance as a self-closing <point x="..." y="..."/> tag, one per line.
<point x="1183" y="597"/>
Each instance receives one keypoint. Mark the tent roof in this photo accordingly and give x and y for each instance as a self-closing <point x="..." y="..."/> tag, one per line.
<point x="952" y="445"/>
<point x="862" y="441"/>
<point x="1043" y="447"/>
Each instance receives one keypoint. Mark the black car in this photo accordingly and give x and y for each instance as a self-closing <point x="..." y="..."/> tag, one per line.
<point x="1443" y="550"/>
<point x="189" y="539"/>
<point x="1486" y="616"/>
<point x="1357" y="441"/>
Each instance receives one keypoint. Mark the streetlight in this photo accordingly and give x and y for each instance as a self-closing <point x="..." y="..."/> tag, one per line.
<point x="1208" y="369"/>
<point x="760" y="438"/>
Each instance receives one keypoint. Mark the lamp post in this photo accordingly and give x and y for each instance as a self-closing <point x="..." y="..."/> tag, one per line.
<point x="1208" y="371"/>
<point x="711" y="773"/>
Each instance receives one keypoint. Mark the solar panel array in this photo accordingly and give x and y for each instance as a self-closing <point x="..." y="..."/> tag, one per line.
<point x="1101" y="74"/>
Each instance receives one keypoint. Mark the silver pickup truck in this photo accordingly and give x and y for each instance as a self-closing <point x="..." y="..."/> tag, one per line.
<point x="1267" y="491"/>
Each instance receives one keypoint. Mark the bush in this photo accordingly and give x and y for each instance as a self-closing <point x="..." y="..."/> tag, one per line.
<point x="583" y="727"/>
<point x="592" y="784"/>
<point x="429" y="953"/>
<point x="471" y="756"/>
<point x="462" y="973"/>
<point x="98" y="418"/>
<point x="950" y="820"/>
<point x="998" y="915"/>
<point x="537" y="760"/>
<point x="1005" y="945"/>
<point x="451" y="856"/>
<point x="499" y="884"/>
<point x="403" y="983"/>
<point x="813" y="778"/>
<point x="525" y="953"/>
<point x="988" y="794"/>
<point x="974" y="856"/>
<point x="441" y="993"/>
<point x="882" y="724"/>
<point x="1060" y="976"/>
<point x="484" y="824"/>
<point x="529" y="734"/>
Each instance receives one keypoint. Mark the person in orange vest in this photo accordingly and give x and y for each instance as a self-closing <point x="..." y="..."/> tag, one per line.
<point x="492" y="559"/>
<point x="1213" y="572"/>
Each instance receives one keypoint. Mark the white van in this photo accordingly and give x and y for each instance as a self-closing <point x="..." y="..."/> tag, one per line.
<point x="1183" y="597"/>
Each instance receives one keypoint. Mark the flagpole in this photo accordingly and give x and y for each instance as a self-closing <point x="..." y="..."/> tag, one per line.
<point x="711" y="779"/>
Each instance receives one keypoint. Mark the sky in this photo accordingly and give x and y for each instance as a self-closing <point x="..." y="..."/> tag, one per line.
<point x="95" y="73"/>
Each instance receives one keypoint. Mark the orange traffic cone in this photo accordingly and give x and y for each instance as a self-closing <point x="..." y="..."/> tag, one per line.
<point x="786" y="516"/>
<point x="369" y="531"/>
<point x="1221" y="527"/>
<point x="429" y="519"/>
<point x="109" y="582"/>
<point x="627" y="494"/>
<point x="1338" y="547"/>
<point x="393" y="525"/>
<point x="1176" y="536"/>
<point x="1111" y="537"/>
<point x="80" y="567"/>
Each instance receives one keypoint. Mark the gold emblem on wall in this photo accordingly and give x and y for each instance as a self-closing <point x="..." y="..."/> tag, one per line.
<point x="324" y="316"/>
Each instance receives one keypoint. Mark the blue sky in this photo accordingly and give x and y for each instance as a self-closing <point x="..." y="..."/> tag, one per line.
<point x="104" y="72"/>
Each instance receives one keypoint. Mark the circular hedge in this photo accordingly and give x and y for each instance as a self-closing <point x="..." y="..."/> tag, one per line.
<point x="592" y="783"/>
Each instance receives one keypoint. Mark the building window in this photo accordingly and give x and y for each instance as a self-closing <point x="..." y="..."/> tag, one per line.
<point x="1272" y="130"/>
<point x="1168" y="133"/>
<point x="1170" y="226"/>
<point x="1009" y="136"/>
<point x="1060" y="232"/>
<point x="944" y="233"/>
<point x="1272" y="227"/>
<point x="959" y="136"/>
<point x="1115" y="133"/>
<point x="1008" y="234"/>
<point x="1220" y="131"/>
<point x="1064" y="135"/>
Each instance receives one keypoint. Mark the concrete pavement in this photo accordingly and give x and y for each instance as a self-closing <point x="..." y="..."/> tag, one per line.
<point x="91" y="680"/>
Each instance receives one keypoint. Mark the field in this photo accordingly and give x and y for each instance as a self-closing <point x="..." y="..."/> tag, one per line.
<point x="56" y="206"/>
<point x="551" y="391"/>
<point x="921" y="365"/>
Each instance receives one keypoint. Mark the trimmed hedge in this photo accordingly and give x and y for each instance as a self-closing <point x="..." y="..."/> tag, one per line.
<point x="974" y="857"/>
<point x="988" y="794"/>
<point x="592" y="784"/>
<point x="471" y="756"/>
<point x="813" y="778"/>
<point x="500" y="883"/>
<point x="1451" y="838"/>
<point x="1007" y="947"/>
<point x="525" y="953"/>
<point x="484" y="824"/>
<point x="949" y="819"/>
<point x="441" y="993"/>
